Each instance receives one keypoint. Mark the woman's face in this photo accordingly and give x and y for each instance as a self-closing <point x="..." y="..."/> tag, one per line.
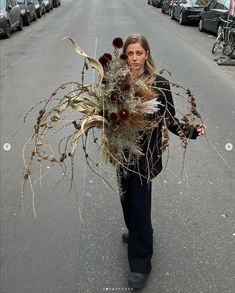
<point x="136" y="58"/>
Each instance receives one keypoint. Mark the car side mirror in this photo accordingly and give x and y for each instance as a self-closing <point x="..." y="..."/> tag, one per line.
<point x="9" y="7"/>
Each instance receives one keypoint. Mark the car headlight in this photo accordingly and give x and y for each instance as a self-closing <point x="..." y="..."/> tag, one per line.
<point x="1" y="15"/>
<point x="23" y="11"/>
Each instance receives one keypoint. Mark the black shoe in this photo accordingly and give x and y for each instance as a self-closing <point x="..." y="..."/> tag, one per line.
<point x="125" y="237"/>
<point x="137" y="280"/>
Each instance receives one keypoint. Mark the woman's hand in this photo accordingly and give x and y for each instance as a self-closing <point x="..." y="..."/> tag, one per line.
<point x="201" y="129"/>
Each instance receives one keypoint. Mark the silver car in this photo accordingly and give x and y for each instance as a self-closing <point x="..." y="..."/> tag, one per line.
<point x="10" y="17"/>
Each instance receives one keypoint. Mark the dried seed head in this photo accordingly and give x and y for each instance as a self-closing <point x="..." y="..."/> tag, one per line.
<point x="41" y="112"/>
<point x="105" y="140"/>
<point x="118" y="42"/>
<point x="123" y="114"/>
<point x="63" y="157"/>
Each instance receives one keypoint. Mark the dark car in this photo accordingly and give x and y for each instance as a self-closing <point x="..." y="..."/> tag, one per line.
<point x="40" y="7"/>
<point x="166" y="5"/>
<point x="56" y="3"/>
<point x="48" y="4"/>
<point x="211" y="14"/>
<point x="188" y="10"/>
<point x="28" y="11"/>
<point x="10" y="17"/>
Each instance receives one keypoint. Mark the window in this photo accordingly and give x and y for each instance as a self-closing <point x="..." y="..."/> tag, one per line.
<point x="227" y="4"/>
<point x="212" y="4"/>
<point x="12" y="3"/>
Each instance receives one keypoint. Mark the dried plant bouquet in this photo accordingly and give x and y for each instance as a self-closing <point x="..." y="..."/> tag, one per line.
<point x="122" y="108"/>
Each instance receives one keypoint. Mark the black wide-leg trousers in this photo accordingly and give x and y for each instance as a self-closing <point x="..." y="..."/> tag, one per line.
<point x="136" y="204"/>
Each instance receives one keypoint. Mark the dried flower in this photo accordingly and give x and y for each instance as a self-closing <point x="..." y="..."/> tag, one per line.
<point x="114" y="95"/>
<point x="126" y="85"/>
<point x="41" y="112"/>
<point x="123" y="114"/>
<point x="123" y="56"/>
<point x="108" y="56"/>
<point x="63" y="157"/>
<point x="103" y="60"/>
<point x="113" y="116"/>
<point x="118" y="42"/>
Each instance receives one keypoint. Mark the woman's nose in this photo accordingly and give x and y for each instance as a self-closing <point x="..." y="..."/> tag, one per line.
<point x="134" y="56"/>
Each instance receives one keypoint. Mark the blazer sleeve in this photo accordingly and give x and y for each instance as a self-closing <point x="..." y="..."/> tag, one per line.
<point x="167" y="104"/>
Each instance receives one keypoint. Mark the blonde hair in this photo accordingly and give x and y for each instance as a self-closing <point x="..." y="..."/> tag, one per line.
<point x="137" y="38"/>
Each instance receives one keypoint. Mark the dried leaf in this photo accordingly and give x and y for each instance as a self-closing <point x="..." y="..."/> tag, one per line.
<point x="90" y="122"/>
<point x="94" y="63"/>
<point x="55" y="118"/>
<point x="84" y="105"/>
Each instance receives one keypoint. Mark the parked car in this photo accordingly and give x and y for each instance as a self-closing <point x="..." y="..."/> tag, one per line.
<point x="28" y="11"/>
<point x="10" y="17"/>
<point x="188" y="11"/>
<point x="48" y="4"/>
<point x="56" y="3"/>
<point x="210" y="15"/>
<point x="166" y="5"/>
<point x="40" y="7"/>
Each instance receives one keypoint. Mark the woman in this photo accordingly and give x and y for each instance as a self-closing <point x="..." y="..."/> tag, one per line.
<point x="136" y="190"/>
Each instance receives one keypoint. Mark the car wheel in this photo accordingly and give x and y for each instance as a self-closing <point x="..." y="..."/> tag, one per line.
<point x="55" y="4"/>
<point x="181" y="19"/>
<point x="8" y="31"/>
<point x="162" y="10"/>
<point x="39" y="14"/>
<point x="200" y="25"/>
<point x="20" y="27"/>
<point x="27" y="20"/>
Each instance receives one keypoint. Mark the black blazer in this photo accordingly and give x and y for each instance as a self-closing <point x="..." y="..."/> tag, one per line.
<point x="150" y="165"/>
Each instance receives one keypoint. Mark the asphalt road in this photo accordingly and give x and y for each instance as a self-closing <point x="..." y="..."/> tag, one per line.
<point x="75" y="245"/>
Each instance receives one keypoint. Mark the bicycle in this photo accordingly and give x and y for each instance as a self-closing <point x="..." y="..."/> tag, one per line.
<point x="226" y="38"/>
<point x="229" y="46"/>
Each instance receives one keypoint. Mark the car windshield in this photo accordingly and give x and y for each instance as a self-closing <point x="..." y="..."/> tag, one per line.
<point x="20" y="1"/>
<point x="2" y="4"/>
<point x="35" y="1"/>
